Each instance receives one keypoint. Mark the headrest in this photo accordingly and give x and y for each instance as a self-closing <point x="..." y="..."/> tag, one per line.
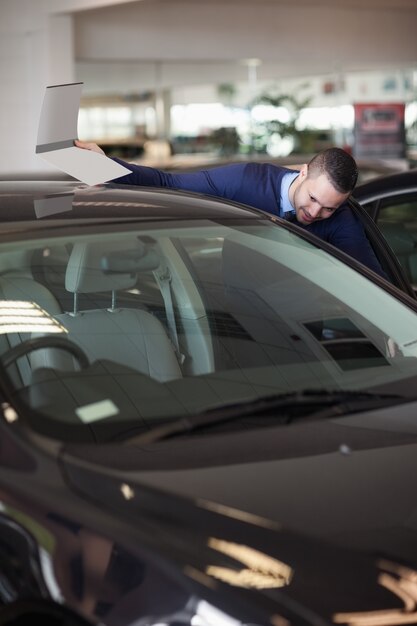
<point x="107" y="265"/>
<point x="15" y="260"/>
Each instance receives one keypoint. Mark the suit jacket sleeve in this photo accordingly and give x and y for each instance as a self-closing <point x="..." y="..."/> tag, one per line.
<point x="222" y="181"/>
<point x="345" y="231"/>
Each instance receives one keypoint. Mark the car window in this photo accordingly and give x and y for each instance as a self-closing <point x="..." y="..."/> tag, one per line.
<point x="397" y="219"/>
<point x="150" y="322"/>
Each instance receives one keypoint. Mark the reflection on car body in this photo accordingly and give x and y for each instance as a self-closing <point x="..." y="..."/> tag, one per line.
<point x="203" y="418"/>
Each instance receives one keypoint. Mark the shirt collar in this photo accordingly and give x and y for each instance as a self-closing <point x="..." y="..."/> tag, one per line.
<point x="285" y="204"/>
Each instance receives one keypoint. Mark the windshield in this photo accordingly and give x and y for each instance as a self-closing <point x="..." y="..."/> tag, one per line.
<point x="148" y="322"/>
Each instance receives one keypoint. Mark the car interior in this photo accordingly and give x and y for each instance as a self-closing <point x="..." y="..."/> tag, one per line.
<point x="404" y="245"/>
<point x="163" y="321"/>
<point x="132" y="336"/>
<point x="396" y="219"/>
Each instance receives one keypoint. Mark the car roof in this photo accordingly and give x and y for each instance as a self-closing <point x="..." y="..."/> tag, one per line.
<point x="388" y="184"/>
<point x="37" y="202"/>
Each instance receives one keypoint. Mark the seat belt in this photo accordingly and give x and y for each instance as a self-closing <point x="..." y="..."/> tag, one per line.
<point x="164" y="281"/>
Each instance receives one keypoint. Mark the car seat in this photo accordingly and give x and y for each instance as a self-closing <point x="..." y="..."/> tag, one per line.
<point x="18" y="284"/>
<point x="125" y="336"/>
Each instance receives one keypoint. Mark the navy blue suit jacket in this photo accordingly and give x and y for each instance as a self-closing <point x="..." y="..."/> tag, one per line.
<point x="259" y="185"/>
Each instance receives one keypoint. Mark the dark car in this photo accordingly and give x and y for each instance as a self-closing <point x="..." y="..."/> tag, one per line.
<point x="208" y="417"/>
<point x="391" y="202"/>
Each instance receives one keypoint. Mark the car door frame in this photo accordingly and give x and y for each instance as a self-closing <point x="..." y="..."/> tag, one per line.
<point x="384" y="253"/>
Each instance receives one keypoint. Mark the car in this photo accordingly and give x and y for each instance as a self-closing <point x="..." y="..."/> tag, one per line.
<point x="391" y="202"/>
<point x="208" y="416"/>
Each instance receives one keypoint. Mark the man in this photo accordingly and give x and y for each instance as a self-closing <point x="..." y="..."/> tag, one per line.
<point x="313" y="194"/>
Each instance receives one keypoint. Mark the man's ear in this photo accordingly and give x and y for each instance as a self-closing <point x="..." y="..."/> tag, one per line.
<point x="304" y="170"/>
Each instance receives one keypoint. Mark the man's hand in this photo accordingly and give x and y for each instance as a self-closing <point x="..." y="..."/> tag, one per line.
<point x="85" y="145"/>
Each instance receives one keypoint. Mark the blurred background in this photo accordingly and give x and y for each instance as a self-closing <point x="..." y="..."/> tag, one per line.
<point x="192" y="83"/>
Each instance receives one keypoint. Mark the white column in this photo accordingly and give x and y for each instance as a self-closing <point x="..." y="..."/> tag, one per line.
<point x="163" y="113"/>
<point x="35" y="51"/>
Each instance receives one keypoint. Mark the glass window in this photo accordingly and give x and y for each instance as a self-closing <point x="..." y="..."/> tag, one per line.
<point x="397" y="220"/>
<point x="157" y="321"/>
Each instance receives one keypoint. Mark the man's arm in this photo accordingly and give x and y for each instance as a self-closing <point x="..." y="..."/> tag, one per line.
<point x="140" y="175"/>
<point x="219" y="181"/>
<point x="345" y="231"/>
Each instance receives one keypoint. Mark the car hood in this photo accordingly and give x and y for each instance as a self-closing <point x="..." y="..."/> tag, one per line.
<point x="334" y="501"/>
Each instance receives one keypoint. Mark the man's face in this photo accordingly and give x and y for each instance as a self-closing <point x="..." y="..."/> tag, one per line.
<point x="316" y="199"/>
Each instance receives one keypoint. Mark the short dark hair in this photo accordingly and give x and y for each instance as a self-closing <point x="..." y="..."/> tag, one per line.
<point x="339" y="167"/>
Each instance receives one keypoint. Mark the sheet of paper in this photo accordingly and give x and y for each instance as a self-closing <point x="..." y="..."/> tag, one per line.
<point x="56" y="133"/>
<point x="89" y="167"/>
<point x="51" y="205"/>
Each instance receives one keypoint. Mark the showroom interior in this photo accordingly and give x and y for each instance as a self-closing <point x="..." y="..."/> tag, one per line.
<point x="208" y="407"/>
<point x="196" y="79"/>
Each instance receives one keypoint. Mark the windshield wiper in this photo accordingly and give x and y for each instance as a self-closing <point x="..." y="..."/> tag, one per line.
<point x="309" y="403"/>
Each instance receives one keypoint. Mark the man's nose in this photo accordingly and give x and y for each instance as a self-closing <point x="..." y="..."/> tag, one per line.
<point x="314" y="210"/>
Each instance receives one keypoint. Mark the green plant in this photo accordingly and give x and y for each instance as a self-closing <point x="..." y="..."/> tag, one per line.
<point x="226" y="92"/>
<point x="262" y="132"/>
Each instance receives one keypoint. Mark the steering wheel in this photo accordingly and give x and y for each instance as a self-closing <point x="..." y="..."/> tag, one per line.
<point x="46" y="341"/>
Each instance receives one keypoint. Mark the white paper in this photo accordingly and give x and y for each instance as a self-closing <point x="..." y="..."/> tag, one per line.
<point x="89" y="167"/>
<point x="59" y="114"/>
<point x="51" y="205"/>
<point x="57" y="131"/>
